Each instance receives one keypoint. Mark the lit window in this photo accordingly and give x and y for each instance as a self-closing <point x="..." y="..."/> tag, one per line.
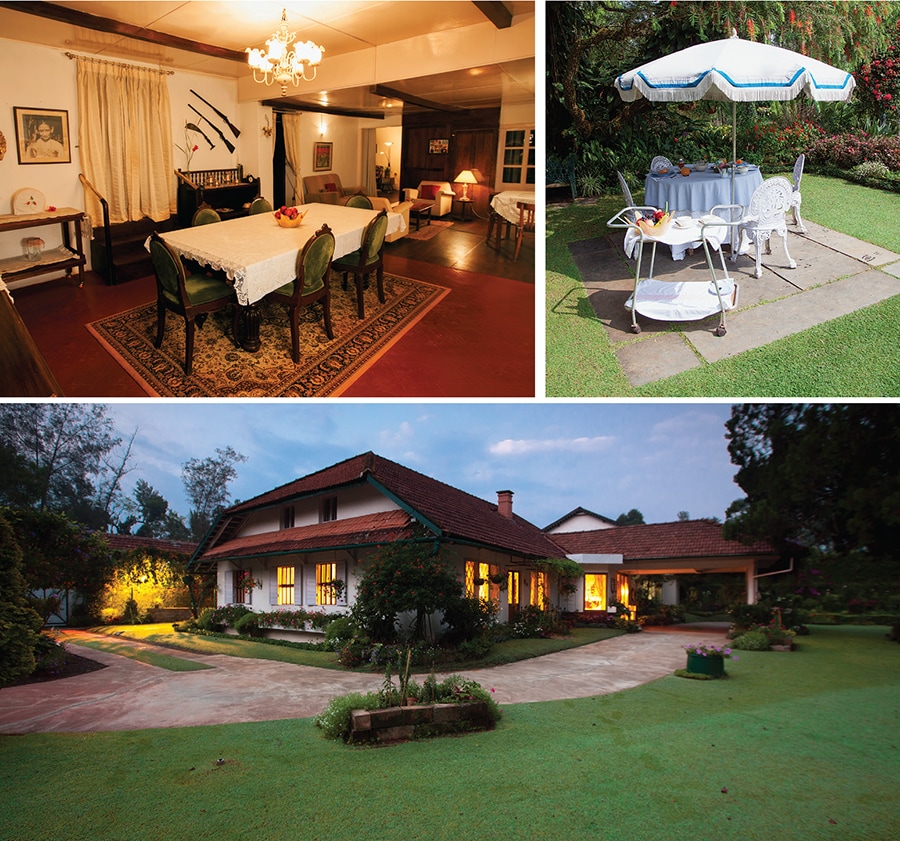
<point x="285" y="585"/>
<point x="478" y="583"/>
<point x="328" y="510"/>
<point x="540" y="590"/>
<point x="512" y="587"/>
<point x="326" y="575"/>
<point x="595" y="591"/>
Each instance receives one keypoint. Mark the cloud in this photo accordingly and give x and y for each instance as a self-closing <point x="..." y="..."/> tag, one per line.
<point x="526" y="446"/>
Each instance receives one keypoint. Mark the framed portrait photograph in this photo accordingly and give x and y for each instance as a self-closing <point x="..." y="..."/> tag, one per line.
<point x="42" y="136"/>
<point x="439" y="146"/>
<point x="322" y="157"/>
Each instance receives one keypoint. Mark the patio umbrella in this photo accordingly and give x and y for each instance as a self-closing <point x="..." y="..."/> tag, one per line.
<point x="734" y="70"/>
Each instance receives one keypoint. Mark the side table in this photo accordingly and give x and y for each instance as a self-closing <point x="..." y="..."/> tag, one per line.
<point x="465" y="209"/>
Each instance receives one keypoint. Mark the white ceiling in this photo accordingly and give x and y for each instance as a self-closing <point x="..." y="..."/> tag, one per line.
<point x="341" y="26"/>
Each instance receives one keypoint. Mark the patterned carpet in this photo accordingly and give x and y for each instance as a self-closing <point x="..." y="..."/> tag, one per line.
<point x="221" y="369"/>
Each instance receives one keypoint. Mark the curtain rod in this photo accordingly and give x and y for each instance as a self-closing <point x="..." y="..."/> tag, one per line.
<point x="120" y="64"/>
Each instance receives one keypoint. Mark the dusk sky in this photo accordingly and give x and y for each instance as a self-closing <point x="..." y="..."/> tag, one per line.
<point x="606" y="457"/>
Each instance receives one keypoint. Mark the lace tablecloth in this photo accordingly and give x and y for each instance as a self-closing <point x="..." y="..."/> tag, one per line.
<point x="259" y="255"/>
<point x="505" y="203"/>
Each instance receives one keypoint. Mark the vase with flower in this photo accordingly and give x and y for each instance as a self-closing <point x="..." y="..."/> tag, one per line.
<point x="187" y="150"/>
<point x="707" y="658"/>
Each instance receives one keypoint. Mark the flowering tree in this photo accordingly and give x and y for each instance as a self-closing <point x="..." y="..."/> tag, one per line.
<point x="404" y="577"/>
<point x="878" y="81"/>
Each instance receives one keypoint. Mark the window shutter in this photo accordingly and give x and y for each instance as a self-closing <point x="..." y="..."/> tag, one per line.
<point x="228" y="594"/>
<point x="273" y="585"/>
<point x="341" y="573"/>
<point x="310" y="573"/>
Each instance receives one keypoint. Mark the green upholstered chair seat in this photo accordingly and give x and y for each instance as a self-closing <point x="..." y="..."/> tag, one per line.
<point x="309" y="286"/>
<point x="350" y="262"/>
<point x="201" y="289"/>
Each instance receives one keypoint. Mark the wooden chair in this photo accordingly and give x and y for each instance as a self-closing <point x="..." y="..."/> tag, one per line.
<point x="192" y="296"/>
<point x="359" y="200"/>
<point x="525" y="223"/>
<point x="205" y="215"/>
<point x="310" y="285"/>
<point x="260" y="205"/>
<point x="368" y="258"/>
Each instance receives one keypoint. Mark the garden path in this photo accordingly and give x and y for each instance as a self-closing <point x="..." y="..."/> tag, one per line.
<point x="129" y="695"/>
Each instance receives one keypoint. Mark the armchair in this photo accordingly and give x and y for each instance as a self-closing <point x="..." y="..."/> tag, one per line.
<point x="437" y="193"/>
<point x="327" y="188"/>
<point x="403" y="208"/>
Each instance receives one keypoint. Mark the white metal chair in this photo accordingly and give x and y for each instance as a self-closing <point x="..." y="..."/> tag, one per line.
<point x="795" y="198"/>
<point x="626" y="193"/>
<point x="765" y="215"/>
<point x="660" y="162"/>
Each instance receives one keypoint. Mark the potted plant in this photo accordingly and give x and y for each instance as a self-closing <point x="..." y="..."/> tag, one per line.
<point x="706" y="658"/>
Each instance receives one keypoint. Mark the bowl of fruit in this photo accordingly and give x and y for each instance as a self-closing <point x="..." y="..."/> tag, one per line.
<point x="656" y="224"/>
<point x="289" y="217"/>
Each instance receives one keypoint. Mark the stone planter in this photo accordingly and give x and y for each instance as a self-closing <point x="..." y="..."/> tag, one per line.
<point x="708" y="665"/>
<point x="396" y="724"/>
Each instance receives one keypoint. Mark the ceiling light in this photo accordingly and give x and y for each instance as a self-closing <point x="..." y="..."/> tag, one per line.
<point x="283" y="66"/>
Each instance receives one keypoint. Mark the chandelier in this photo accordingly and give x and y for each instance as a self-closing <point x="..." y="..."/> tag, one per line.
<point x="280" y="65"/>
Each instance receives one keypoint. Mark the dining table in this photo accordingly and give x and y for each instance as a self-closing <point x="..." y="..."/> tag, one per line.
<point x="698" y="192"/>
<point x="504" y="210"/>
<point x="259" y="256"/>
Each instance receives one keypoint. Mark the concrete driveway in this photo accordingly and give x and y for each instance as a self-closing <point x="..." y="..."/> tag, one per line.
<point x="128" y="695"/>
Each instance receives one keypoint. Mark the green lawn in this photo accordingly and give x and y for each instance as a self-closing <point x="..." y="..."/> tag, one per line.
<point x="799" y="747"/>
<point x="151" y="658"/>
<point x="857" y="355"/>
<point x="505" y="652"/>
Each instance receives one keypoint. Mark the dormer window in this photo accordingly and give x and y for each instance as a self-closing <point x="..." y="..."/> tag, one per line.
<point x="328" y="509"/>
<point x="287" y="517"/>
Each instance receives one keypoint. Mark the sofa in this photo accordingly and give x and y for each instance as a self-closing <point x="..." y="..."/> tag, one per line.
<point x="439" y="193"/>
<point x="381" y="203"/>
<point x="326" y="188"/>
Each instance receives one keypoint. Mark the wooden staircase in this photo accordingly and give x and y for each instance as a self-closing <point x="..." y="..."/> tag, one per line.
<point x="117" y="251"/>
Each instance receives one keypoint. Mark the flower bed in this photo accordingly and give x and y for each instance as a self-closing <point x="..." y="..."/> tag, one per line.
<point x="417" y="721"/>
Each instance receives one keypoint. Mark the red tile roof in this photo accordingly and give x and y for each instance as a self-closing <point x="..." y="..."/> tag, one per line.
<point x="128" y="542"/>
<point x="683" y="539"/>
<point x="454" y="513"/>
<point x="369" y="529"/>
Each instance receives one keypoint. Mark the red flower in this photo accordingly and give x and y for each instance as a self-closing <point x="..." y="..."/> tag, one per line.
<point x="194" y="148"/>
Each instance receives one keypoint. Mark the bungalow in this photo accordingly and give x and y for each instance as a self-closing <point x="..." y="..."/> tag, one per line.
<point x="291" y="546"/>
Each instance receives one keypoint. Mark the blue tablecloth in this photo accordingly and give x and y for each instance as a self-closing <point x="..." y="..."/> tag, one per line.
<point x="699" y="192"/>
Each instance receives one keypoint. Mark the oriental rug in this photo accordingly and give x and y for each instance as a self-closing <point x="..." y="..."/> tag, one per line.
<point x="221" y="369"/>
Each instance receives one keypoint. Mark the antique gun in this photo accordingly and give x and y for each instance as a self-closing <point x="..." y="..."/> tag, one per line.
<point x="234" y="129"/>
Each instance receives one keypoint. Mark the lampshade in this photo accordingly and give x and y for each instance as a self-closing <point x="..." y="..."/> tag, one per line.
<point x="465" y="178"/>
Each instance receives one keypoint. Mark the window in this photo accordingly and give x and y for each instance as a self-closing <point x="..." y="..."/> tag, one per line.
<point x="287" y="517"/>
<point x="478" y="582"/>
<point x="517" y="155"/>
<point x="285" y="585"/>
<point x="241" y="592"/>
<point x="540" y="589"/>
<point x="328" y="510"/>
<point x="512" y="587"/>
<point x="326" y="575"/>
<point x="595" y="591"/>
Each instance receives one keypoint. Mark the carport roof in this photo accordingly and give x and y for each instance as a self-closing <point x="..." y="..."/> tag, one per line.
<point x="660" y="541"/>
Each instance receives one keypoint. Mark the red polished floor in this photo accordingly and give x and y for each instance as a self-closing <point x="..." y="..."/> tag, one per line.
<point x="477" y="342"/>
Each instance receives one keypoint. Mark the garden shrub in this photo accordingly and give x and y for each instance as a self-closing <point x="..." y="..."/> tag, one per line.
<point x="209" y="620"/>
<point x="751" y="641"/>
<point x="334" y="720"/>
<point x="745" y="616"/>
<point x="50" y="654"/>
<point x="339" y="632"/>
<point x="248" y="625"/>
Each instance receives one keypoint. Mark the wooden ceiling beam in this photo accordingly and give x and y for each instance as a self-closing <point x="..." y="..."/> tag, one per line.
<point x="282" y="105"/>
<point x="409" y="99"/>
<point x="52" y="11"/>
<point x="495" y="12"/>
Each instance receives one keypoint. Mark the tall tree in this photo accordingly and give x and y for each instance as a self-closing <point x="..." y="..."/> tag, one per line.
<point x="824" y="476"/>
<point x="206" y="484"/>
<point x="632" y="518"/>
<point x="64" y="458"/>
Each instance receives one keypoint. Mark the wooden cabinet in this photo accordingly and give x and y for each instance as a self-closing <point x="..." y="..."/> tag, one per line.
<point x="225" y="190"/>
<point x="64" y="258"/>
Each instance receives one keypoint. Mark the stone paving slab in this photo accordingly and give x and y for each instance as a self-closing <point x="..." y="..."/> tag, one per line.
<point x="833" y="277"/>
<point x="759" y="326"/>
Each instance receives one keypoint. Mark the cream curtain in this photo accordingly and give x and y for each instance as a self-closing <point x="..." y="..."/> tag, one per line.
<point x="367" y="162"/>
<point x="125" y="139"/>
<point x="291" y="128"/>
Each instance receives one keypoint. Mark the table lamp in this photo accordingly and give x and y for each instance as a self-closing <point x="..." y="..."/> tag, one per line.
<point x="465" y="178"/>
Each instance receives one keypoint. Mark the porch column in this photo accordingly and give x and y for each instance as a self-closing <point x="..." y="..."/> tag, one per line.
<point x="750" y="575"/>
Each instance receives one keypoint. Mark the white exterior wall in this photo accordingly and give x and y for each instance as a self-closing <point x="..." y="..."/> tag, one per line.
<point x="581" y="522"/>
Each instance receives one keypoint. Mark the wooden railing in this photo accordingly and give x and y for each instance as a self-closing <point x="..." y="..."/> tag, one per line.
<point x="107" y="231"/>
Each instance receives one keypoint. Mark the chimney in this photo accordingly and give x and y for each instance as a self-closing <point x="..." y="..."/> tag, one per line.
<point x="504" y="503"/>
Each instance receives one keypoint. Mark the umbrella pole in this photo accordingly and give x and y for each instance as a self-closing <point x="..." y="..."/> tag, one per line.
<point x="733" y="169"/>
